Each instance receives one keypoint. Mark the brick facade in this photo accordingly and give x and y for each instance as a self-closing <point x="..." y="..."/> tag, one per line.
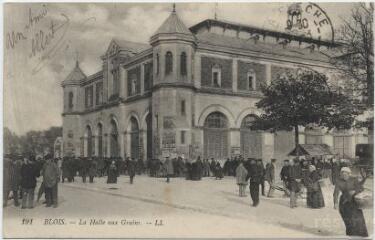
<point x="244" y="68"/>
<point x="207" y="63"/>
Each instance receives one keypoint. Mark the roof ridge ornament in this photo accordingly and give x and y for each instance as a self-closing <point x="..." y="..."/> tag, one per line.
<point x="77" y="63"/>
<point x="216" y="6"/>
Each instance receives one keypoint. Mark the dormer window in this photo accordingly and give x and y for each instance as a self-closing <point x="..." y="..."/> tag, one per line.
<point x="168" y="63"/>
<point x="216" y="76"/>
<point x="251" y="81"/>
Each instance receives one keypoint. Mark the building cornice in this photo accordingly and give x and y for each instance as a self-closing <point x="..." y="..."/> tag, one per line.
<point x="138" y="58"/>
<point x="210" y="48"/>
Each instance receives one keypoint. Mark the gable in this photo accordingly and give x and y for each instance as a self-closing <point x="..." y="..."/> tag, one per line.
<point x="113" y="48"/>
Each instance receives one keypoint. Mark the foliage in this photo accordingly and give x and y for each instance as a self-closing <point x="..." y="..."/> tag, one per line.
<point x="33" y="142"/>
<point x="304" y="99"/>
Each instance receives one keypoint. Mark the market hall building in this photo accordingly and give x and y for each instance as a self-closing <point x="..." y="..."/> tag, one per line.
<point x="192" y="92"/>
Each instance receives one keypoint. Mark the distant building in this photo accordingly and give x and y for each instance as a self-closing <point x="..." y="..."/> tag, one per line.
<point x="190" y="91"/>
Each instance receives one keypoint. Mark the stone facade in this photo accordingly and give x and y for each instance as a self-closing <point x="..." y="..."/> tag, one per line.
<point x="189" y="92"/>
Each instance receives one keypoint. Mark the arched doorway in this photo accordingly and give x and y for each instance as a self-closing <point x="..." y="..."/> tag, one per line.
<point x="251" y="141"/>
<point x="114" y="143"/>
<point x="215" y="136"/>
<point x="149" y="136"/>
<point x="100" y="140"/>
<point x="134" y="138"/>
<point x="89" y="138"/>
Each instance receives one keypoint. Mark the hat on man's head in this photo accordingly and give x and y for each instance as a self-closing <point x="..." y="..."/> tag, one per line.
<point x="346" y="169"/>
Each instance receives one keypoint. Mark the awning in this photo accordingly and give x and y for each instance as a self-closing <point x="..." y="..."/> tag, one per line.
<point x="311" y="150"/>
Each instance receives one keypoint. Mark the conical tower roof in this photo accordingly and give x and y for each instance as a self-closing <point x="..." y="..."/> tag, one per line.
<point x="173" y="26"/>
<point x="75" y="76"/>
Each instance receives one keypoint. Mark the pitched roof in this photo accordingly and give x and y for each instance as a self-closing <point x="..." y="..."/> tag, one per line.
<point x="76" y="75"/>
<point x="263" y="31"/>
<point x="173" y="24"/>
<point x="311" y="150"/>
<point x="274" y="49"/>
<point x="135" y="47"/>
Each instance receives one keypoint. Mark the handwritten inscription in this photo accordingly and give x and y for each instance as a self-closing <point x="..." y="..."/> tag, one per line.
<point x="35" y="19"/>
<point x="13" y="38"/>
<point x="44" y="37"/>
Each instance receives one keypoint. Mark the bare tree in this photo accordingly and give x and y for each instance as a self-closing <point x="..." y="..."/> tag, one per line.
<point x="356" y="59"/>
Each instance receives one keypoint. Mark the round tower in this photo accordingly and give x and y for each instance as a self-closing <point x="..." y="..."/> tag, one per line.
<point x="173" y="50"/>
<point x="72" y="106"/>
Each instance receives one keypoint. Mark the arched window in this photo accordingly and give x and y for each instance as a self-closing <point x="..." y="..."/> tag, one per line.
<point x="100" y="140"/>
<point x="247" y="121"/>
<point x="216" y="120"/>
<point x="114" y="144"/>
<point x="168" y="62"/>
<point x="70" y="100"/>
<point x="89" y="142"/>
<point x="183" y="67"/>
<point x="157" y="63"/>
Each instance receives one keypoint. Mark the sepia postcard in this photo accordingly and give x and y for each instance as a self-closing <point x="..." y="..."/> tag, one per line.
<point x="188" y="120"/>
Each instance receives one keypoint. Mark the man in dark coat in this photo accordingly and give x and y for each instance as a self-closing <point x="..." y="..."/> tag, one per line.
<point x="213" y="166"/>
<point x="284" y="176"/>
<point x="226" y="167"/>
<point x="112" y="173"/>
<point x="84" y="168"/>
<point x="180" y="166"/>
<point x="169" y="168"/>
<point x="255" y="175"/>
<point x="11" y="179"/>
<point x="140" y="166"/>
<point x="64" y="169"/>
<point x="92" y="169"/>
<point x="218" y="171"/>
<point x="101" y="166"/>
<point x="131" y="169"/>
<point x="269" y="176"/>
<point x="72" y="166"/>
<point x="293" y="178"/>
<point x="199" y="168"/>
<point x="261" y="166"/>
<point x="29" y="173"/>
<point x="188" y="170"/>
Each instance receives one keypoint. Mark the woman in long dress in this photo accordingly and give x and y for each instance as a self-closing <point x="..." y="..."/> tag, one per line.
<point x="314" y="192"/>
<point x="112" y="173"/>
<point x="350" y="213"/>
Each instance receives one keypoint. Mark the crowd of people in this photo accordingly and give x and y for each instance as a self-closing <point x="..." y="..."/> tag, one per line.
<point x="298" y="177"/>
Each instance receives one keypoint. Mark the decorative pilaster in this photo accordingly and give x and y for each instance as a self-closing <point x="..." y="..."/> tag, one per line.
<point x="234" y="75"/>
<point x="268" y="74"/>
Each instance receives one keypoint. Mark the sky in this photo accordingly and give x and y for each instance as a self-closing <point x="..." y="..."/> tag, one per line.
<point x="43" y="40"/>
